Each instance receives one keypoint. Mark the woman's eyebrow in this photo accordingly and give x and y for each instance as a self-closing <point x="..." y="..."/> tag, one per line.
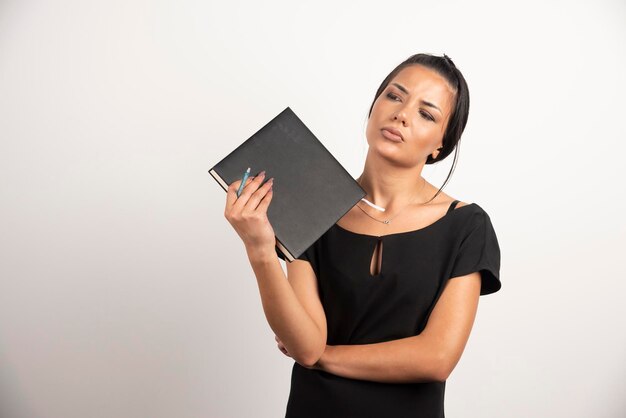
<point x="424" y="102"/>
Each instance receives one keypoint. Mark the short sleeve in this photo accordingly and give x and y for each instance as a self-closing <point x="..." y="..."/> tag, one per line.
<point x="479" y="251"/>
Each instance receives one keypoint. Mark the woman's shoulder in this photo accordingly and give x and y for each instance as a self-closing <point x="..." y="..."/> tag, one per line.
<point x="473" y="215"/>
<point x="471" y="209"/>
<point x="445" y="200"/>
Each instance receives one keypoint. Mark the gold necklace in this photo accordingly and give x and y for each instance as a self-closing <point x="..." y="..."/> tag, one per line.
<point x="388" y="221"/>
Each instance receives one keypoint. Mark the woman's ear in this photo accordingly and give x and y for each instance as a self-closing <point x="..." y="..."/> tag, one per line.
<point x="435" y="154"/>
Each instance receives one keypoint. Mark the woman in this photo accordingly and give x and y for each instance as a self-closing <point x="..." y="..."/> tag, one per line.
<point x="369" y="312"/>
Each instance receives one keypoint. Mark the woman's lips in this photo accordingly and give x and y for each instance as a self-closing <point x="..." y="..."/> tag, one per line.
<point x="391" y="136"/>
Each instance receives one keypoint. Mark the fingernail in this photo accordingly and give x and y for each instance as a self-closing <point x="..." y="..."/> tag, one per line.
<point x="262" y="173"/>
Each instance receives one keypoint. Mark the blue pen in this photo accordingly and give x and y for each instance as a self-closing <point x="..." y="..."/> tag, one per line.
<point x="243" y="181"/>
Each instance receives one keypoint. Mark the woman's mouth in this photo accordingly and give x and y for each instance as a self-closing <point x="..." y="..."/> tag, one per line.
<point x="391" y="136"/>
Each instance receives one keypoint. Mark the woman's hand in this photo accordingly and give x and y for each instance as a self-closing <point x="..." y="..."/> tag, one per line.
<point x="316" y="366"/>
<point x="281" y="347"/>
<point x="248" y="212"/>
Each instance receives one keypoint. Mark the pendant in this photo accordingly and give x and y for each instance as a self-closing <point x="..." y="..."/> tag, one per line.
<point x="386" y="222"/>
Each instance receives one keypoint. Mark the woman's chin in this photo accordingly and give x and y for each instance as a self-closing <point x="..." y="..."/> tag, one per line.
<point x="388" y="151"/>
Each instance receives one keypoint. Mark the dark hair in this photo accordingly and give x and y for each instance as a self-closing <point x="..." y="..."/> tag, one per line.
<point x="456" y="124"/>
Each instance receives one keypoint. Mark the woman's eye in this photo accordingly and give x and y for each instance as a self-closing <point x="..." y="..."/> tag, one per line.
<point x="424" y="114"/>
<point x="427" y="116"/>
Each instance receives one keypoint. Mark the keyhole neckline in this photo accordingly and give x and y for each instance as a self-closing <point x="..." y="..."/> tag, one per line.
<point x="377" y="259"/>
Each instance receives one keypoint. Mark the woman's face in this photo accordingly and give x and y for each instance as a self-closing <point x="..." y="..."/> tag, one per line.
<point x="417" y="102"/>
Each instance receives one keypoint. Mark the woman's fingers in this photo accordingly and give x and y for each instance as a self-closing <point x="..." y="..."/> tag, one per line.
<point x="243" y="213"/>
<point x="253" y="184"/>
<point x="231" y="193"/>
<point x="250" y="196"/>
<point x="281" y="347"/>
<point x="258" y="193"/>
<point x="247" y="192"/>
<point x="266" y="197"/>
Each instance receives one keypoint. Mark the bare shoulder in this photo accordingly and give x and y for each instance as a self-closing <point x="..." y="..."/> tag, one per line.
<point x="445" y="200"/>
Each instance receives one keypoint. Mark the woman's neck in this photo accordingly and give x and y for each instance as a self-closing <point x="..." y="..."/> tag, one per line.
<point x="393" y="191"/>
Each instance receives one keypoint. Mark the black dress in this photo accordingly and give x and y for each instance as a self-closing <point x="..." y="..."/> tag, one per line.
<point x="362" y="308"/>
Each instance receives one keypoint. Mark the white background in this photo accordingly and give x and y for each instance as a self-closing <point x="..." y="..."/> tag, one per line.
<point x="124" y="292"/>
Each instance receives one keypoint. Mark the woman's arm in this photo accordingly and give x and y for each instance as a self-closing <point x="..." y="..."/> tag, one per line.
<point x="429" y="356"/>
<point x="293" y="310"/>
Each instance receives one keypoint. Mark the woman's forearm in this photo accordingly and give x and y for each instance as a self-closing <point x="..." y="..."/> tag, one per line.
<point x="288" y="319"/>
<point x="406" y="360"/>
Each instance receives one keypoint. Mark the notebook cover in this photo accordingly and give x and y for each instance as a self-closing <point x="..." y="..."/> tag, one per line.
<point x="312" y="190"/>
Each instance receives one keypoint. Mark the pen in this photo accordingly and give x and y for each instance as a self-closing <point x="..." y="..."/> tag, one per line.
<point x="243" y="181"/>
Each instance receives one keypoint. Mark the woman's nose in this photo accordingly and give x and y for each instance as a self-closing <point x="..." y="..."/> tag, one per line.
<point x="400" y="113"/>
<point x="400" y="116"/>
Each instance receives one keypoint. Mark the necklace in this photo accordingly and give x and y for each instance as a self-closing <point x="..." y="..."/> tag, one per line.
<point x="387" y="221"/>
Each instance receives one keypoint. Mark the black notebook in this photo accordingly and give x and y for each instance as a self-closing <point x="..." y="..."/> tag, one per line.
<point x="312" y="191"/>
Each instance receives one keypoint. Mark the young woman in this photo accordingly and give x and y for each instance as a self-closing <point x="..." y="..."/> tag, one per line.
<point x="370" y="312"/>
